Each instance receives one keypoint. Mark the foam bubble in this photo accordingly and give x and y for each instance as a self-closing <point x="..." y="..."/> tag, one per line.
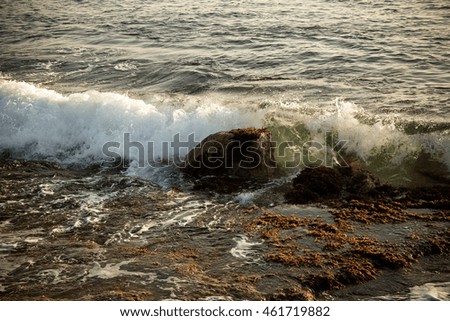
<point x="124" y="66"/>
<point x="245" y="199"/>
<point x="111" y="270"/>
<point x="244" y="248"/>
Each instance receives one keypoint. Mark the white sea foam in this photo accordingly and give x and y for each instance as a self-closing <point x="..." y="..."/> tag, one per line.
<point x="425" y="292"/>
<point x="112" y="270"/>
<point x="124" y="66"/>
<point x="245" y="199"/>
<point x="366" y="134"/>
<point x="41" y="123"/>
<point x="244" y="248"/>
<point x="431" y="292"/>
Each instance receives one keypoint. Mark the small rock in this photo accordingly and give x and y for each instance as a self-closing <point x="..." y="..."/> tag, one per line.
<point x="321" y="183"/>
<point x="245" y="153"/>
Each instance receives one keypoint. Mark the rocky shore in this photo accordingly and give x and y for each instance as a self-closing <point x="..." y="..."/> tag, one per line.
<point x="342" y="256"/>
<point x="329" y="234"/>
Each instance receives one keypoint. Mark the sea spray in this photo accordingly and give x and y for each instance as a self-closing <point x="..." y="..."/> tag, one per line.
<point x="378" y="142"/>
<point x="42" y="124"/>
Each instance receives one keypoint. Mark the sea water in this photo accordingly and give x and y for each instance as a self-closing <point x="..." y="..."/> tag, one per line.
<point x="76" y="76"/>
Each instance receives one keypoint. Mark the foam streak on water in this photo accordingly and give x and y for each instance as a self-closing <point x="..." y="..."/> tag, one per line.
<point x="424" y="292"/>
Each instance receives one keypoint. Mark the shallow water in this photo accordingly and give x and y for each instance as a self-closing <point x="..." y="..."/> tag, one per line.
<point x="83" y="234"/>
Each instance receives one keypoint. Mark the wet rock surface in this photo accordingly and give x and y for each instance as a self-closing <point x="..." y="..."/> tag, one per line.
<point x="244" y="153"/>
<point x="71" y="234"/>
<point x="323" y="183"/>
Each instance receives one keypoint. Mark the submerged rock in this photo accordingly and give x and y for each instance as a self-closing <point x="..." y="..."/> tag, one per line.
<point x="245" y="153"/>
<point x="432" y="169"/>
<point x="324" y="181"/>
<point x="321" y="183"/>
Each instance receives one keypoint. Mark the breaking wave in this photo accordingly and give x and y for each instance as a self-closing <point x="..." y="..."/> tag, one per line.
<point x="37" y="123"/>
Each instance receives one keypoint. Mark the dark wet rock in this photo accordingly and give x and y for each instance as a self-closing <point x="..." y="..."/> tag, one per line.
<point x="321" y="183"/>
<point x="27" y="165"/>
<point x="432" y="197"/>
<point x="362" y="181"/>
<point x="432" y="169"/>
<point x="320" y="180"/>
<point x="437" y="197"/>
<point x="301" y="194"/>
<point x="4" y="155"/>
<point x="245" y="153"/>
<point x="225" y="185"/>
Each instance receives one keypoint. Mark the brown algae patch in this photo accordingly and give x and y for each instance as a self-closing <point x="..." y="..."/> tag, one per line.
<point x="345" y="252"/>
<point x="384" y="212"/>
